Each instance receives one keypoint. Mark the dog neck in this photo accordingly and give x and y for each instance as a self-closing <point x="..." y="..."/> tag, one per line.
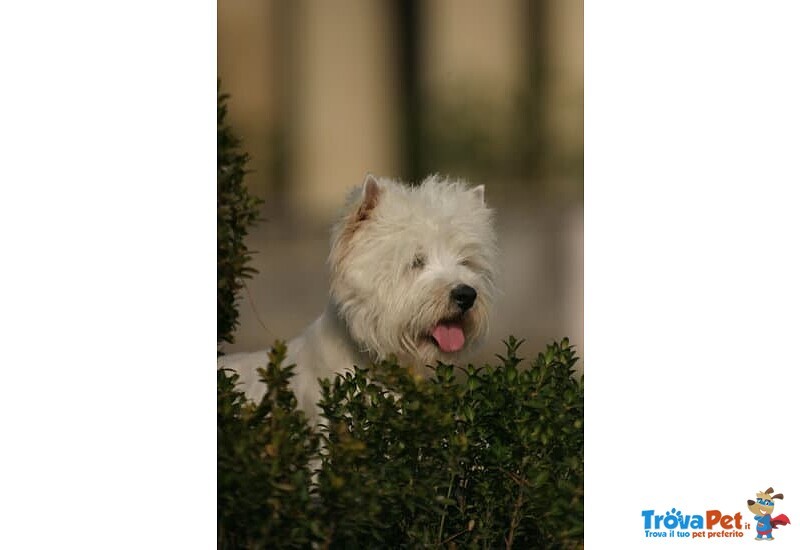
<point x="339" y="346"/>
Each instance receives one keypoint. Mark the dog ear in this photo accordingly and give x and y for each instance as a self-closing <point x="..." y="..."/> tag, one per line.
<point x="370" y="194"/>
<point x="779" y="496"/>
<point x="751" y="502"/>
<point x="478" y="192"/>
<point x="769" y="491"/>
<point x="360" y="211"/>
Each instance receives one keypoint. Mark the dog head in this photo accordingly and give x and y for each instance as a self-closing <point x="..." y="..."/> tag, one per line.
<point x="764" y="503"/>
<point x="412" y="269"/>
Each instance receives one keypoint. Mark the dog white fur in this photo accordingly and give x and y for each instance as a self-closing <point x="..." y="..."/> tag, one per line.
<point x="411" y="275"/>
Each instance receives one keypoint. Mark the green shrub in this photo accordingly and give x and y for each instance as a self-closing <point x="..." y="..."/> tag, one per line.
<point x="263" y="451"/>
<point x="487" y="457"/>
<point x="237" y="211"/>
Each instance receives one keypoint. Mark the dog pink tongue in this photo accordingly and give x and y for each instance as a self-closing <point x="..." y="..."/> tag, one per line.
<point x="449" y="336"/>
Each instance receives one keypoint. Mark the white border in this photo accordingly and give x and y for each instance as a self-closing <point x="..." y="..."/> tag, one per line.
<point x="107" y="221"/>
<point x="691" y="281"/>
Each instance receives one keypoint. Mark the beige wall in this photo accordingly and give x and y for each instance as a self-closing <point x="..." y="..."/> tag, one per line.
<point x="344" y="109"/>
<point x="565" y="83"/>
<point x="247" y="65"/>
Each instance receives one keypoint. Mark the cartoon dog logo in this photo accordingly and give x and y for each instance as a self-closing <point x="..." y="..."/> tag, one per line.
<point x="762" y="508"/>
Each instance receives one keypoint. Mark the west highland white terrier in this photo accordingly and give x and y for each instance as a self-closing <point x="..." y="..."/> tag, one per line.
<point x="411" y="275"/>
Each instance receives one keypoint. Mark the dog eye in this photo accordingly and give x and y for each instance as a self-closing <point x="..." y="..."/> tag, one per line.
<point x="419" y="262"/>
<point x="466" y="262"/>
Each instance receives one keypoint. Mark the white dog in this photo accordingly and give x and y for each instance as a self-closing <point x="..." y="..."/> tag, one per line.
<point x="411" y="274"/>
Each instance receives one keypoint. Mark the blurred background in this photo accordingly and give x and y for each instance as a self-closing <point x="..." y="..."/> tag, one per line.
<point x="491" y="91"/>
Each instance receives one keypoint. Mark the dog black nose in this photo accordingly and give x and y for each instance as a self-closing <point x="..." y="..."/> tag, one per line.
<point x="464" y="296"/>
